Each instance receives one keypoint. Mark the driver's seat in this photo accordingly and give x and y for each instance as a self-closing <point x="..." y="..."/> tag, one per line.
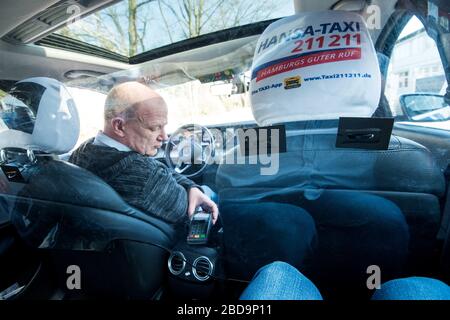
<point x="79" y="224"/>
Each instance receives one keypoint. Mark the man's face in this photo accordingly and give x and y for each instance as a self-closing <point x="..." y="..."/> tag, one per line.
<point x="145" y="132"/>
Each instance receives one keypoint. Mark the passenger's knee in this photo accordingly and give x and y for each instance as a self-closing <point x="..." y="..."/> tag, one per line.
<point x="278" y="267"/>
<point x="413" y="288"/>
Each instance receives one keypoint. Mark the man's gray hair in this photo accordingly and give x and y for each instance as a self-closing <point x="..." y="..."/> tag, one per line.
<point x="117" y="105"/>
<point x="123" y="99"/>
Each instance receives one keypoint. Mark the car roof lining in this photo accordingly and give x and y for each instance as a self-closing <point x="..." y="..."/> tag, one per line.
<point x="26" y="21"/>
<point x="40" y="26"/>
<point x="24" y="61"/>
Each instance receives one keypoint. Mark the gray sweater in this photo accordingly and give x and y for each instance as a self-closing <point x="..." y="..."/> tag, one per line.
<point x="143" y="182"/>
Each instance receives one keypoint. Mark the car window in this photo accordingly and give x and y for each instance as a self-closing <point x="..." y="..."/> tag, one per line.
<point x="19" y="108"/>
<point x="416" y="80"/>
<point x="89" y="104"/>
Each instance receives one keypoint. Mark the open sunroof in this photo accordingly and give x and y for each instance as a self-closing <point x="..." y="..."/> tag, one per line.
<point x="132" y="27"/>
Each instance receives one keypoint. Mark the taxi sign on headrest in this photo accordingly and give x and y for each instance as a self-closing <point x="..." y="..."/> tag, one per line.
<point x="312" y="66"/>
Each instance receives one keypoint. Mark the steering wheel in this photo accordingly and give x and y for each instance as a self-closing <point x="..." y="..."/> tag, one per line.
<point x="190" y="150"/>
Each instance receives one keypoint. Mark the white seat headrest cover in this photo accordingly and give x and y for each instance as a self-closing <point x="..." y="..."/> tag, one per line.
<point x="313" y="66"/>
<point x="56" y="123"/>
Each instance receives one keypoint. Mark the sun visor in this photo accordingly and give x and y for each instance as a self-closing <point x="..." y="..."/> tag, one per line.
<point x="312" y="66"/>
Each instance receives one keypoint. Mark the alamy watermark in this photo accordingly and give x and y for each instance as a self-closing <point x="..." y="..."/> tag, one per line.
<point x="374" y="280"/>
<point x="373" y="18"/>
<point x="74" y="11"/>
<point x="74" y="279"/>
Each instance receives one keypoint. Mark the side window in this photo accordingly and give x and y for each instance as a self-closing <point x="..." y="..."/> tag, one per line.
<point x="89" y="104"/>
<point x="415" y="77"/>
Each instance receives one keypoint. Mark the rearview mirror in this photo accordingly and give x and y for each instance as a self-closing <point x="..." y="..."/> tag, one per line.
<point x="424" y="107"/>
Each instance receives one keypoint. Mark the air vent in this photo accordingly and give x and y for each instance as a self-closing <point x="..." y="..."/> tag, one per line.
<point x="202" y="268"/>
<point x="176" y="263"/>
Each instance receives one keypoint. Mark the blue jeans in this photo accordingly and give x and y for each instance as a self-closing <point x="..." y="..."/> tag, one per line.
<point x="281" y="281"/>
<point x="413" y="288"/>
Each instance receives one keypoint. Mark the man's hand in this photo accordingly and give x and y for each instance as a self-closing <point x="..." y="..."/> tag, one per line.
<point x="197" y="198"/>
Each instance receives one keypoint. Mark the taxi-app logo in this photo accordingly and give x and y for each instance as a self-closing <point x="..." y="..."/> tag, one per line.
<point x="292" y="82"/>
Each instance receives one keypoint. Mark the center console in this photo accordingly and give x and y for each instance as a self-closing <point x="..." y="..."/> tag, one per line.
<point x="194" y="264"/>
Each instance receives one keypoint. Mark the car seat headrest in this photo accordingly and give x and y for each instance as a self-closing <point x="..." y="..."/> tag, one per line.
<point x="313" y="66"/>
<point x="39" y="114"/>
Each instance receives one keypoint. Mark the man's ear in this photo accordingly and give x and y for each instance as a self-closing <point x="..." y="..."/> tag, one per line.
<point x="117" y="125"/>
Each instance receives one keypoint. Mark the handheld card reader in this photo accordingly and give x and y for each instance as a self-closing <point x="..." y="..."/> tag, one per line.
<point x="199" y="227"/>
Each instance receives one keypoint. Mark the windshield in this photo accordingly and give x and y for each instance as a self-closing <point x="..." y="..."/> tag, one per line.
<point x="209" y="104"/>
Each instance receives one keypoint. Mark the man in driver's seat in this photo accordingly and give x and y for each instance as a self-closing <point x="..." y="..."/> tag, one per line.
<point x="121" y="154"/>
